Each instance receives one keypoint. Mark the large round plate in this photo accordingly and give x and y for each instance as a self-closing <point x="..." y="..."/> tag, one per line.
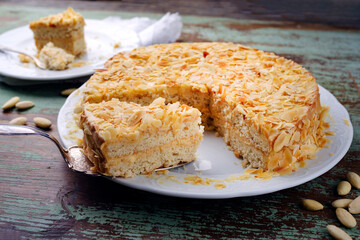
<point x="99" y="45"/>
<point x="218" y="164"/>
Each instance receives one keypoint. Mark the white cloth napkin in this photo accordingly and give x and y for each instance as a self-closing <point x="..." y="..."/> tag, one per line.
<point x="149" y="32"/>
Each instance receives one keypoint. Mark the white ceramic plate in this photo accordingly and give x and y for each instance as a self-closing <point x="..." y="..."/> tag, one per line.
<point x="100" y="47"/>
<point x="216" y="162"/>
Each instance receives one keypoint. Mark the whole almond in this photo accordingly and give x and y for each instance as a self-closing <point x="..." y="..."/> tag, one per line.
<point x="345" y="218"/>
<point x="354" y="206"/>
<point x="24" y="105"/>
<point x="68" y="91"/>
<point x="11" y="103"/>
<point x="354" y="179"/>
<point x="342" y="203"/>
<point x="337" y="233"/>
<point x="18" y="121"/>
<point x="343" y="188"/>
<point x="42" y="122"/>
<point x="312" y="205"/>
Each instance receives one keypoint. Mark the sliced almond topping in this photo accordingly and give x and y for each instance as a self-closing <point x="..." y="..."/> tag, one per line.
<point x="282" y="140"/>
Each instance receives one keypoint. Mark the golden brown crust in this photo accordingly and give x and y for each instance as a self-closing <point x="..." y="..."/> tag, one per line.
<point x="64" y="19"/>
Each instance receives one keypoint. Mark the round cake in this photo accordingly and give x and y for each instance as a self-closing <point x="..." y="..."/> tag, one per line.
<point x="267" y="108"/>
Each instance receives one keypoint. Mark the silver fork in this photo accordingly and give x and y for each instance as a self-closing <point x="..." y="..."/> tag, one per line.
<point x="37" y="61"/>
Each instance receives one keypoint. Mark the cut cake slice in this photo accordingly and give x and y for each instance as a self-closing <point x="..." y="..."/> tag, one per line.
<point x="65" y="30"/>
<point x="125" y="139"/>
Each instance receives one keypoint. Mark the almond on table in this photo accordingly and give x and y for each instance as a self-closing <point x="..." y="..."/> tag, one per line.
<point x="11" y="103"/>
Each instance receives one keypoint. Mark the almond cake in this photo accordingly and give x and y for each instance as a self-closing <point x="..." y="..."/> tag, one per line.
<point x="125" y="139"/>
<point x="267" y="108"/>
<point x="65" y="30"/>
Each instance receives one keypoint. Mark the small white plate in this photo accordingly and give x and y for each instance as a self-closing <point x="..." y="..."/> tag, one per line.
<point x="99" y="47"/>
<point x="217" y="163"/>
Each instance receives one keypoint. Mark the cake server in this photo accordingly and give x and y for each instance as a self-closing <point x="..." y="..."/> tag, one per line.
<point x="73" y="156"/>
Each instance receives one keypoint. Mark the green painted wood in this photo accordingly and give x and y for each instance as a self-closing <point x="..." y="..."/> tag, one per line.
<point x="41" y="198"/>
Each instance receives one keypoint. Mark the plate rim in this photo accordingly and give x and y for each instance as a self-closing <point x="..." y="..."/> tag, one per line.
<point x="223" y="195"/>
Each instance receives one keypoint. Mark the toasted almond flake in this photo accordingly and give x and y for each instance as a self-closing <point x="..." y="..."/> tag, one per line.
<point x="263" y="175"/>
<point x="330" y="133"/>
<point x="281" y="141"/>
<point x="254" y="171"/>
<point x="243" y="176"/>
<point x="347" y="123"/>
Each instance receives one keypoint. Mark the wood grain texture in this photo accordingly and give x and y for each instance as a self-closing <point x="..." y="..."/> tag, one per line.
<point x="40" y="198"/>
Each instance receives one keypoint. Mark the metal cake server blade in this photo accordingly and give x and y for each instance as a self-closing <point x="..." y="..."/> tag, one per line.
<point x="73" y="156"/>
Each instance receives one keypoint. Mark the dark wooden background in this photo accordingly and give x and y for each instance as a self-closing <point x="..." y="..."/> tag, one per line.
<point x="40" y="198"/>
<point x="342" y="13"/>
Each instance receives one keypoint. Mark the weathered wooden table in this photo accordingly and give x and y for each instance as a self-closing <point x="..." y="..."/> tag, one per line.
<point x="41" y="198"/>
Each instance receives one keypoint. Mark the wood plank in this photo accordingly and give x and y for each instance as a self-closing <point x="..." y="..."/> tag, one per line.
<point x="41" y="198"/>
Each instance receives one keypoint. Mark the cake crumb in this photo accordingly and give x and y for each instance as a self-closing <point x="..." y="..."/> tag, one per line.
<point x="217" y="134"/>
<point x="55" y="58"/>
<point x="347" y="123"/>
<point x="24" y="59"/>
<point x="219" y="186"/>
<point x="117" y="45"/>
<point x="162" y="172"/>
<point x="196" y="180"/>
<point x="80" y="64"/>
<point x="331" y="154"/>
<point x="302" y="164"/>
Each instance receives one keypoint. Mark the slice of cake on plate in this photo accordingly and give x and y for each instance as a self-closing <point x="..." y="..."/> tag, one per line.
<point x="125" y="139"/>
<point x="65" y="30"/>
